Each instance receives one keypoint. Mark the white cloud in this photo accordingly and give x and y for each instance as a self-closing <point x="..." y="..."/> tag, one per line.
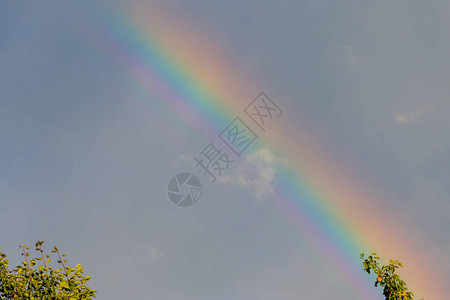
<point x="352" y="57"/>
<point x="186" y="157"/>
<point x="257" y="172"/>
<point x="147" y="253"/>
<point x="412" y="115"/>
<point x="182" y="160"/>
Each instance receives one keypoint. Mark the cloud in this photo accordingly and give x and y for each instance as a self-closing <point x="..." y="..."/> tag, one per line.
<point x="351" y="56"/>
<point x="186" y="157"/>
<point x="257" y="173"/>
<point x="413" y="115"/>
<point x="147" y="253"/>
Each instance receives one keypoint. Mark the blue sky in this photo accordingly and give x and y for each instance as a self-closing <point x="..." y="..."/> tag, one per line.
<point x="83" y="164"/>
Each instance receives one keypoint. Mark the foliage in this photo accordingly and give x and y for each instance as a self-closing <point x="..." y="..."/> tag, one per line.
<point x="393" y="287"/>
<point x="43" y="282"/>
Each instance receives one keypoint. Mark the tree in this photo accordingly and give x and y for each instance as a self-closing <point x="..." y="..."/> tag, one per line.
<point x="41" y="281"/>
<point x="393" y="287"/>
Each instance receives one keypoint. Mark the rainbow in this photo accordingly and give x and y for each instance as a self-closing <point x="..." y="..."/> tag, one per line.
<point x="189" y="71"/>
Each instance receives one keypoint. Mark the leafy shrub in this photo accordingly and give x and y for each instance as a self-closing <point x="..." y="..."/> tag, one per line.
<point x="33" y="280"/>
<point x="393" y="287"/>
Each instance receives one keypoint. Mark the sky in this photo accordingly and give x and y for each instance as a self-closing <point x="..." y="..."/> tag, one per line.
<point x="101" y="104"/>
